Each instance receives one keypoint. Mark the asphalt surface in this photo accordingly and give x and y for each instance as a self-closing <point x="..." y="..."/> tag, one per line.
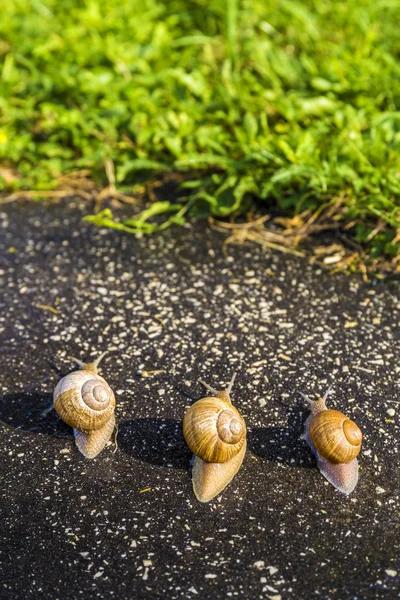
<point x="127" y="524"/>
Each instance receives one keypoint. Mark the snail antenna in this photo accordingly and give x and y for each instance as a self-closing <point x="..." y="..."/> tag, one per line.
<point x="208" y="387"/>
<point x="307" y="398"/>
<point x="327" y="392"/>
<point x="230" y="386"/>
<point x="100" y="358"/>
<point x="78" y="362"/>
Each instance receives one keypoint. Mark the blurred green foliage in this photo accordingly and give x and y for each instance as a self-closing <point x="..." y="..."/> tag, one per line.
<point x="294" y="102"/>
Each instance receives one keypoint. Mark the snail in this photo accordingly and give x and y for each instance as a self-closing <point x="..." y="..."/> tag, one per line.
<point x="336" y="442"/>
<point x="215" y="432"/>
<point x="85" y="401"/>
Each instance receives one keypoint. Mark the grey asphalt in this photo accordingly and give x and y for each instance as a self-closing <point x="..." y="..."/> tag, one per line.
<point x="127" y="524"/>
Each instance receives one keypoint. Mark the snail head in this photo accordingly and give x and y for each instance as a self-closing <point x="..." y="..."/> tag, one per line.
<point x="319" y="404"/>
<point x="224" y="394"/>
<point x="92" y="367"/>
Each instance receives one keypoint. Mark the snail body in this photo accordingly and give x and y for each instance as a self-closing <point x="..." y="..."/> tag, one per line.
<point x="85" y="401"/>
<point x="215" y="431"/>
<point x="336" y="442"/>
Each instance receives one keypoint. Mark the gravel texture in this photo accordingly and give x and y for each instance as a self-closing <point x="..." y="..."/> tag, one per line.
<point x="127" y="524"/>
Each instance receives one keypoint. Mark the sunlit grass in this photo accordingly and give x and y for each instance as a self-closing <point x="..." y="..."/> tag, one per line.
<point x="293" y="103"/>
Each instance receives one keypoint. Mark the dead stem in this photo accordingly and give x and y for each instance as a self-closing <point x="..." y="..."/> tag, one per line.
<point x="76" y="184"/>
<point x="286" y="233"/>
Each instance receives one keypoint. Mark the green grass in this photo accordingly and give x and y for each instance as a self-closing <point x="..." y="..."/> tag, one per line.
<point x="294" y="103"/>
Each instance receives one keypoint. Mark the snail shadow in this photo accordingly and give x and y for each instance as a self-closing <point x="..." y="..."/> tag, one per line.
<point x="283" y="444"/>
<point x="156" y="441"/>
<point x="23" y="410"/>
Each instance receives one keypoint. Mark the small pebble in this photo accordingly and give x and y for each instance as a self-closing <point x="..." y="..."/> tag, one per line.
<point x="147" y="563"/>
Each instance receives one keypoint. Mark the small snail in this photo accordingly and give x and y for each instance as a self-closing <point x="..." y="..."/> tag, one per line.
<point x="336" y="442"/>
<point x="215" y="432"/>
<point x="85" y="401"/>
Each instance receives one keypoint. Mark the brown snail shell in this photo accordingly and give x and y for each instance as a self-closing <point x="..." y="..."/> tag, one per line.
<point x="336" y="442"/>
<point x="335" y="437"/>
<point x="85" y="401"/>
<point x="216" y="433"/>
<point x="214" y="430"/>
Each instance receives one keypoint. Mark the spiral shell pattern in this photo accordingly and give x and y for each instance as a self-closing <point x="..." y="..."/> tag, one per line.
<point x="335" y="437"/>
<point x="84" y="400"/>
<point x="214" y="430"/>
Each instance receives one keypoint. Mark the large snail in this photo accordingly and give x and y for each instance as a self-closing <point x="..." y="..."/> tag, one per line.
<point x="215" y="432"/>
<point x="336" y="442"/>
<point x="85" y="401"/>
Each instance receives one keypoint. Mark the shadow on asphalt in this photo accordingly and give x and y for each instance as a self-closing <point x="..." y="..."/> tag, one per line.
<point x="160" y="441"/>
<point x="23" y="410"/>
<point x="283" y="444"/>
<point x="156" y="441"/>
<point x="277" y="444"/>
